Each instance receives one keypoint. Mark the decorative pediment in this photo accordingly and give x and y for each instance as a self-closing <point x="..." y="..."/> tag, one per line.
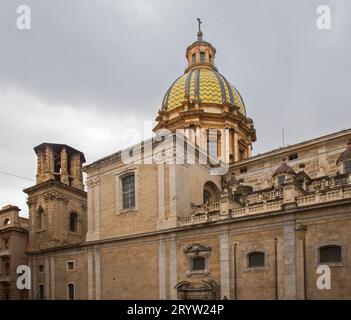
<point x="196" y="249"/>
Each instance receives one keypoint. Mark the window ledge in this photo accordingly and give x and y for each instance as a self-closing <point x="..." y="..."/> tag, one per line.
<point x="200" y="272"/>
<point x="331" y="264"/>
<point x="263" y="268"/>
<point x="131" y="210"/>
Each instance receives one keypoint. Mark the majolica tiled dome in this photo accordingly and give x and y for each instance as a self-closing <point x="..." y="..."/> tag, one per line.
<point x="204" y="84"/>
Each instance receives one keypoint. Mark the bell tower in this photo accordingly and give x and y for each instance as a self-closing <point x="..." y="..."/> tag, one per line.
<point x="57" y="202"/>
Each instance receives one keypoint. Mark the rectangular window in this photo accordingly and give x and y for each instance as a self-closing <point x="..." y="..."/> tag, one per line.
<point x="243" y="170"/>
<point x="202" y="57"/>
<point x="281" y="180"/>
<point x="199" y="264"/>
<point x="241" y="154"/>
<point x="41" y="268"/>
<point x="347" y="166"/>
<point x="128" y="191"/>
<point x="193" y="58"/>
<point x="70" y="266"/>
<point x="293" y="156"/>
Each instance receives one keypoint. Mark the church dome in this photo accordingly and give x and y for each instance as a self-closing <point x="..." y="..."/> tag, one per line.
<point x="205" y="85"/>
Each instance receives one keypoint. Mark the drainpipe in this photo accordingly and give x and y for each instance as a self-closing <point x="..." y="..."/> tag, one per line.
<point x="276" y="267"/>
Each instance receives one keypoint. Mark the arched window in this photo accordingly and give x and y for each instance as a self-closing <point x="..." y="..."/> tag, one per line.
<point x="7" y="221"/>
<point x="256" y="259"/>
<point x="70" y="291"/>
<point x="41" y="292"/>
<point x="73" y="222"/>
<point x="210" y="192"/>
<point x="214" y="143"/>
<point x="40" y="219"/>
<point x="330" y="254"/>
<point x="128" y="191"/>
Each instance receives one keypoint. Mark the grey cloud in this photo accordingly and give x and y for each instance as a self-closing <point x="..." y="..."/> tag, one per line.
<point x="88" y="69"/>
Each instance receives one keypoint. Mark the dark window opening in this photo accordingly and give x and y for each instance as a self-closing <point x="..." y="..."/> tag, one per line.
<point x="41" y="268"/>
<point x="193" y="58"/>
<point x="241" y="154"/>
<point x="41" y="292"/>
<point x="256" y="259"/>
<point x="330" y="254"/>
<point x="70" y="288"/>
<point x="70" y="265"/>
<point x="347" y="166"/>
<point x="210" y="192"/>
<point x="293" y="156"/>
<point x="202" y="57"/>
<point x="7" y="269"/>
<point x="40" y="217"/>
<point x="73" y="222"/>
<point x="281" y="180"/>
<point x="243" y="170"/>
<point x="198" y="264"/>
<point x="128" y="191"/>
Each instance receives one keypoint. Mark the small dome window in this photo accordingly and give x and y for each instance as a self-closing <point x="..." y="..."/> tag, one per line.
<point x="202" y="57"/>
<point x="7" y="221"/>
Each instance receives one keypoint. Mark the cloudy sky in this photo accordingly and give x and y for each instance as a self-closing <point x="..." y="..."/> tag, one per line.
<point x="89" y="70"/>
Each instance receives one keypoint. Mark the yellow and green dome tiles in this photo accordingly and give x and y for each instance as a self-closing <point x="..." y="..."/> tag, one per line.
<point x="204" y="84"/>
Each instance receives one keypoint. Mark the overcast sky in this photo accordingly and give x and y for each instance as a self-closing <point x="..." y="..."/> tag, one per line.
<point x="87" y="70"/>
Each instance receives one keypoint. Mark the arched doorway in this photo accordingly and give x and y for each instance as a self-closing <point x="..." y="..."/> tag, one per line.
<point x="198" y="290"/>
<point x="210" y="192"/>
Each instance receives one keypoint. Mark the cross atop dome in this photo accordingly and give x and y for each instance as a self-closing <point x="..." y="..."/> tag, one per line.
<point x="199" y="33"/>
<point x="200" y="52"/>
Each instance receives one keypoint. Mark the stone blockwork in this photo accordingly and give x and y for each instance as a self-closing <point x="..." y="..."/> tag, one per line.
<point x="149" y="251"/>
<point x="13" y="246"/>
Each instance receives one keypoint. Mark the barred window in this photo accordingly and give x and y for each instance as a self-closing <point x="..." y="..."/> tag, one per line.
<point x="128" y="191"/>
<point x="329" y="254"/>
<point x="198" y="264"/>
<point x="256" y="259"/>
<point x="347" y="166"/>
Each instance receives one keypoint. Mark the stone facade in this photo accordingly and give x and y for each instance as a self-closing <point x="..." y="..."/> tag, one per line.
<point x="13" y="246"/>
<point x="144" y="253"/>
<point x="166" y="225"/>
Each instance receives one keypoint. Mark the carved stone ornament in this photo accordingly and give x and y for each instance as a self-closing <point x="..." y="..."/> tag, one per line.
<point x="53" y="195"/>
<point x="92" y="182"/>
